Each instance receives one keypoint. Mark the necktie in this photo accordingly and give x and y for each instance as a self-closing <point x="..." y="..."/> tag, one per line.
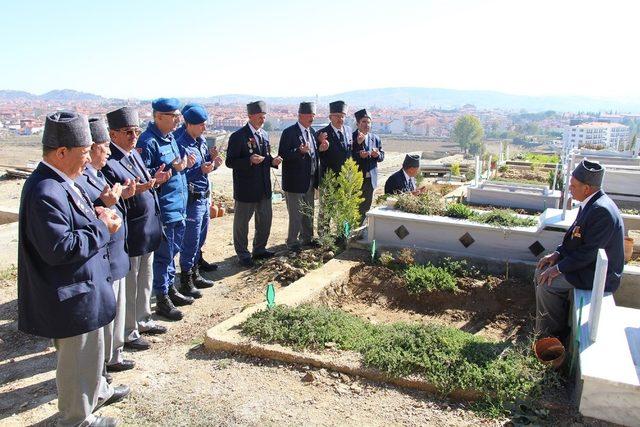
<point x="410" y="185"/>
<point x="312" y="153"/>
<point x="84" y="195"/>
<point x="259" y="140"/>
<point x="340" y="136"/>
<point x="100" y="174"/>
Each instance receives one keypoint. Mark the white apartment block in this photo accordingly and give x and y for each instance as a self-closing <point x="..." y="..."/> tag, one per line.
<point x="597" y="134"/>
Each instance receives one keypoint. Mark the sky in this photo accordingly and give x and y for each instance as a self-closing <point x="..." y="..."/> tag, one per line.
<point x="146" y="49"/>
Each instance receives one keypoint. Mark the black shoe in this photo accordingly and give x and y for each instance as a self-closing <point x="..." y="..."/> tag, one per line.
<point x="206" y="266"/>
<point x="137" y="344"/>
<point x="199" y="281"/>
<point x="264" y="254"/>
<point x="119" y="393"/>
<point x="295" y="248"/>
<point x="125" y="365"/>
<point x="155" y="330"/>
<point x="104" y="422"/>
<point x="178" y="299"/>
<point x="187" y="288"/>
<point x="311" y="244"/>
<point x="109" y="378"/>
<point x="165" y="308"/>
<point x="246" y="262"/>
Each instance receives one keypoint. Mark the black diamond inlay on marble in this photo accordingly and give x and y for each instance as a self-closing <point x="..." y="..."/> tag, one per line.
<point x="536" y="248"/>
<point x="402" y="232"/>
<point x="466" y="240"/>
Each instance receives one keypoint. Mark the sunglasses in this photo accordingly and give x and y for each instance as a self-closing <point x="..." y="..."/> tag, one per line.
<point x="131" y="132"/>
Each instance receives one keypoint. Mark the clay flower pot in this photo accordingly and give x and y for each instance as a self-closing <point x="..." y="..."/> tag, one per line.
<point x="221" y="210"/>
<point x="628" y="248"/>
<point x="213" y="211"/>
<point x="549" y="351"/>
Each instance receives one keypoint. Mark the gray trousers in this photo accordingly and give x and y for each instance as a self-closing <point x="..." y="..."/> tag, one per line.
<point x="114" y="331"/>
<point x="300" y="208"/>
<point x="241" y="217"/>
<point x="79" y="377"/>
<point x="552" y="306"/>
<point x="367" y="194"/>
<point x="138" y="297"/>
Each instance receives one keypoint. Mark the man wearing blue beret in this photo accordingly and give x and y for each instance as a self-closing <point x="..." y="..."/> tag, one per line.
<point x="178" y="132"/>
<point x="197" y="222"/>
<point x="598" y="225"/>
<point x="159" y="151"/>
<point x="64" y="278"/>
<point x="249" y="155"/>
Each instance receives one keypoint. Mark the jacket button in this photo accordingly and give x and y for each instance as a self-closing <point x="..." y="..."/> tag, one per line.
<point x="105" y="256"/>
<point x="109" y="278"/>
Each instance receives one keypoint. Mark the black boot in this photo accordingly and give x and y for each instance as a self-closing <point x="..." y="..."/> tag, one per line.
<point x="165" y="308"/>
<point x="177" y="298"/>
<point x="186" y="285"/>
<point x="199" y="281"/>
<point x="206" y="266"/>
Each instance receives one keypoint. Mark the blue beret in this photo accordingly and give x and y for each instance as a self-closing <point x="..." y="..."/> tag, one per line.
<point x="187" y="106"/>
<point x="195" y="115"/>
<point x="165" y="105"/>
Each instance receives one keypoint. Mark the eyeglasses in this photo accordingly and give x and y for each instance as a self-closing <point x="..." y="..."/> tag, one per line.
<point x="131" y="132"/>
<point x="174" y="115"/>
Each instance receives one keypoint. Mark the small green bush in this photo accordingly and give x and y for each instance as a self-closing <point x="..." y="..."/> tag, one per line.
<point x="386" y="259"/>
<point x="428" y="278"/>
<point x="428" y="203"/>
<point x="503" y="168"/>
<point x="504" y="218"/>
<point x="455" y="169"/>
<point x="458" y="210"/>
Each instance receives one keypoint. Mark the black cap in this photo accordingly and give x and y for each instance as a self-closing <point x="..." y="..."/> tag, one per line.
<point x="338" y="107"/>
<point x="256" y="107"/>
<point x="123" y="118"/>
<point x="360" y="114"/>
<point x="307" y="108"/>
<point x="99" y="132"/>
<point x="411" y="161"/>
<point x="66" y="129"/>
<point x="589" y="173"/>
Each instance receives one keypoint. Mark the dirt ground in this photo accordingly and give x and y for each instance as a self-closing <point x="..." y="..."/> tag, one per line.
<point x="177" y="382"/>
<point x="491" y="307"/>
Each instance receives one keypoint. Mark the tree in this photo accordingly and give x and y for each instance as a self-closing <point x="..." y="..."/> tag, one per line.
<point x="468" y="134"/>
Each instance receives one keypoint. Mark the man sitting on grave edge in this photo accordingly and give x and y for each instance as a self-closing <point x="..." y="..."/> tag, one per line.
<point x="404" y="180"/>
<point x="597" y="225"/>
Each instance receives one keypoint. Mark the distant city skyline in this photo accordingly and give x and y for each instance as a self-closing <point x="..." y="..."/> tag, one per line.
<point x="146" y="49"/>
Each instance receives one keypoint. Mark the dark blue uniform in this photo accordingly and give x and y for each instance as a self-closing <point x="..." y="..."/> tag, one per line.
<point x="368" y="166"/>
<point x="397" y="183"/>
<point x="64" y="278"/>
<point x="338" y="152"/>
<point x="157" y="149"/>
<point x="197" y="222"/>
<point x="144" y="227"/>
<point x="297" y="167"/>
<point x="599" y="225"/>
<point x="118" y="255"/>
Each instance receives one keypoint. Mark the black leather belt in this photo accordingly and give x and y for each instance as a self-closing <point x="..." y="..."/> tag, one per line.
<point x="197" y="195"/>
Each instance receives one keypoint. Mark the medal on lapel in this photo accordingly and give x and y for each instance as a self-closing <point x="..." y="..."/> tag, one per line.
<point x="251" y="144"/>
<point x="576" y="234"/>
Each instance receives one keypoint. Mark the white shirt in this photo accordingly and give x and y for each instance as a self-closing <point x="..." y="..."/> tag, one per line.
<point x="339" y="130"/>
<point x="585" y="201"/>
<point x="256" y="132"/>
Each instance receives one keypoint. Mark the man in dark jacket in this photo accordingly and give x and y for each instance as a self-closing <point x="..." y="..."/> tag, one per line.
<point x="300" y="170"/>
<point x="404" y="180"/>
<point x="249" y="155"/>
<point x="101" y="193"/>
<point x="367" y="153"/>
<point x="64" y="278"/>
<point x="144" y="225"/>
<point x="598" y="225"/>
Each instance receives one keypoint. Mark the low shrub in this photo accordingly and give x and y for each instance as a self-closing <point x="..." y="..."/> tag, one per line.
<point x="428" y="203"/>
<point x="459" y="210"/>
<point x="429" y="278"/>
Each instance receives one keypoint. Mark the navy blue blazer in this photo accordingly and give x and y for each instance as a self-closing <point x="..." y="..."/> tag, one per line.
<point x="144" y="221"/>
<point x="64" y="277"/>
<point x="396" y="183"/>
<point x="296" y="166"/>
<point x="118" y="255"/>
<point x="337" y="153"/>
<point x="599" y="225"/>
<point x="251" y="183"/>
<point x="369" y="164"/>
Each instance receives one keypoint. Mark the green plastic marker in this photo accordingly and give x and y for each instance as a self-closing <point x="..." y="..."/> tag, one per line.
<point x="373" y="250"/>
<point x="271" y="296"/>
<point x="347" y="229"/>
